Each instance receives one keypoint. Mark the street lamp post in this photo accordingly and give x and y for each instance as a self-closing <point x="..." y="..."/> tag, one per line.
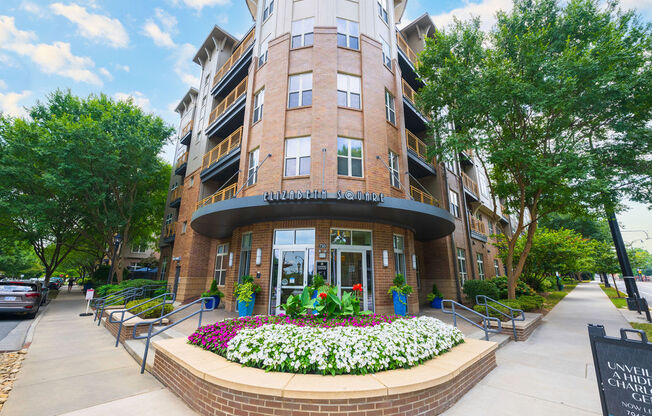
<point x="117" y="239"/>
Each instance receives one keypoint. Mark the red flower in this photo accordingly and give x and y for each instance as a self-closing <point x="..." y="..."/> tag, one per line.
<point x="323" y="295"/>
<point x="357" y="287"/>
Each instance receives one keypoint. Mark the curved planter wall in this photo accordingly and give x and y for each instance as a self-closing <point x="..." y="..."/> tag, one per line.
<point x="211" y="385"/>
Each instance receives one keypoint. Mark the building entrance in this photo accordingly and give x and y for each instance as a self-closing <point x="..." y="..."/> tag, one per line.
<point x="351" y="263"/>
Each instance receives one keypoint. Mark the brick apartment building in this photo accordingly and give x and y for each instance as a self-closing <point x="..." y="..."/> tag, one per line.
<point x="302" y="152"/>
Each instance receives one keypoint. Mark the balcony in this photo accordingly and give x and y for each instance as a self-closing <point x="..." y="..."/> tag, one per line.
<point x="503" y="213"/>
<point x="216" y="163"/>
<point x="233" y="59"/>
<point x="478" y="229"/>
<point x="415" y="120"/>
<point x="222" y="195"/>
<point x="470" y="185"/>
<point x="418" y="162"/>
<point x="169" y="232"/>
<point x="175" y="196"/>
<point x="229" y="113"/>
<point x="186" y="133"/>
<point x="423" y="197"/>
<point x="407" y="51"/>
<point x="182" y="163"/>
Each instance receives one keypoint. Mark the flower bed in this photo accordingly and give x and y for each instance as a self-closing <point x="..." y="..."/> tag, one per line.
<point x="354" y="345"/>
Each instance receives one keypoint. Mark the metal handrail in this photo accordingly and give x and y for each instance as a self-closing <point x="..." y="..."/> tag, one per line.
<point x="520" y="315"/>
<point x="115" y="298"/>
<point x="133" y="315"/>
<point x="152" y="323"/>
<point x="485" y="319"/>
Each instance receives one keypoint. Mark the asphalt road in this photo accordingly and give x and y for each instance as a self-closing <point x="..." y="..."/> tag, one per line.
<point x="644" y="289"/>
<point x="7" y="323"/>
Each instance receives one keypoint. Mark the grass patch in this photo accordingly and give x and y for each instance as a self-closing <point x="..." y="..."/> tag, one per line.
<point x="645" y="327"/>
<point x="612" y="293"/>
<point x="553" y="298"/>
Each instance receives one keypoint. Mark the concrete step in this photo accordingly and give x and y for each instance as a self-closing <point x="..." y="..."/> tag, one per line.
<point x="136" y="347"/>
<point x="500" y="339"/>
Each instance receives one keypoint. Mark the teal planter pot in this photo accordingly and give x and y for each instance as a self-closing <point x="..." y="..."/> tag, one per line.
<point x="400" y="303"/>
<point x="246" y="310"/>
<point x="436" y="303"/>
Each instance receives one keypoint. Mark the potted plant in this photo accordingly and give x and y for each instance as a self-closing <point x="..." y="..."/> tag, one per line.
<point x="399" y="292"/>
<point x="215" y="294"/>
<point x="435" y="297"/>
<point x="245" y="294"/>
<point x="317" y="282"/>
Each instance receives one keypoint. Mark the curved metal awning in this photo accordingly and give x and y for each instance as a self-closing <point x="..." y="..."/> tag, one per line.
<point x="218" y="220"/>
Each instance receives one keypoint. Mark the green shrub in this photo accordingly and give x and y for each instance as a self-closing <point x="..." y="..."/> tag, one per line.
<point x="531" y="303"/>
<point x="521" y="287"/>
<point x="214" y="291"/>
<point x="512" y="303"/>
<point x="472" y="288"/>
<point x="146" y="304"/>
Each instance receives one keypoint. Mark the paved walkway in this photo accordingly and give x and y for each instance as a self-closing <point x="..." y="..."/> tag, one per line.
<point x="552" y="372"/>
<point x="72" y="368"/>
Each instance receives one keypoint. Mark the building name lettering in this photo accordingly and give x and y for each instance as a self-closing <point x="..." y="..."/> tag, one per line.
<point x="317" y="194"/>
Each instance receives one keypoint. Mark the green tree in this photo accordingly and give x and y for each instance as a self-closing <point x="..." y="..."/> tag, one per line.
<point x="640" y="258"/>
<point x="541" y="99"/>
<point x="589" y="226"/>
<point x="17" y="258"/>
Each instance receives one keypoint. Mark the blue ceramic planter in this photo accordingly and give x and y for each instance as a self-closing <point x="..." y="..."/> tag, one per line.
<point x="400" y="303"/>
<point x="246" y="310"/>
<point x="212" y="303"/>
<point x="436" y="303"/>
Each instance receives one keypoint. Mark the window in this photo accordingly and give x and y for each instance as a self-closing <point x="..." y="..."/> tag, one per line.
<point x="262" y="55"/>
<point x="390" y="113"/>
<point x="291" y="237"/>
<point x="302" y="32"/>
<point x="191" y="182"/>
<point x="164" y="268"/>
<point x="349" y="157"/>
<point x="245" y="256"/>
<point x="297" y="156"/>
<point x="496" y="268"/>
<point x="399" y="255"/>
<point x="184" y="226"/>
<point x="268" y="9"/>
<point x="252" y="172"/>
<point x="340" y="237"/>
<point x="484" y="186"/>
<point x="220" y="264"/>
<point x="300" y="90"/>
<point x="418" y="271"/>
<point x="491" y="227"/>
<point x="452" y="166"/>
<point x="133" y="266"/>
<point x="393" y="169"/>
<point x="461" y="265"/>
<point x="259" y="98"/>
<point x="168" y="219"/>
<point x="454" y="203"/>
<point x="138" y="248"/>
<point x="480" y="258"/>
<point x="348" y="34"/>
<point x="382" y="10"/>
<point x="348" y="91"/>
<point x="387" y="56"/>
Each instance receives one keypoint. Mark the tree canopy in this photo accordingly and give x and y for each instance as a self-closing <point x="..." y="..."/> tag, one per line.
<point x="542" y="99"/>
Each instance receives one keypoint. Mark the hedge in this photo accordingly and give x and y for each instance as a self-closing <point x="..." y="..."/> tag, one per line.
<point x="147" y="303"/>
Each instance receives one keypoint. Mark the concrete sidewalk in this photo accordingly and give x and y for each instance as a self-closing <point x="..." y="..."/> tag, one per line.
<point x="552" y="372"/>
<point x="72" y="368"/>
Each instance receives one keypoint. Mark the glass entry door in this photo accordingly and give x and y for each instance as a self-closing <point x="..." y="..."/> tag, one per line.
<point x="351" y="270"/>
<point x="292" y="271"/>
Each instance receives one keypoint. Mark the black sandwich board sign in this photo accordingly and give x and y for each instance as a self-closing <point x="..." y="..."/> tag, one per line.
<point x="623" y="367"/>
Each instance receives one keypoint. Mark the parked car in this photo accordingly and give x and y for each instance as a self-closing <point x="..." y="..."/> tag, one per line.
<point x="19" y="296"/>
<point x="55" y="283"/>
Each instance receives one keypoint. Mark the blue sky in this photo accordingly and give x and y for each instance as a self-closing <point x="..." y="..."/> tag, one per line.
<point x="143" y="49"/>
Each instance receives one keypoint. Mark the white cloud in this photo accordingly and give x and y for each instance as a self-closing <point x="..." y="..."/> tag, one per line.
<point x="137" y="97"/>
<point x="3" y="85"/>
<point x="160" y="38"/>
<point x="486" y="10"/>
<point x="56" y="58"/>
<point x="200" y="4"/>
<point x="94" y="26"/>
<point x="9" y="103"/>
<point x="183" y="65"/>
<point x="33" y="8"/>
<point x="105" y="72"/>
<point x="121" y="67"/>
<point x="168" y="21"/>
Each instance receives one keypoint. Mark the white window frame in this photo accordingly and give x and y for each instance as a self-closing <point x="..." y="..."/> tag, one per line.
<point x="454" y="199"/>
<point x="305" y="85"/>
<point x="390" y="107"/>
<point x="461" y="266"/>
<point x="350" y="157"/>
<point x="350" y="31"/>
<point x="168" y="219"/>
<point x="350" y="85"/>
<point x="222" y="256"/>
<point x="382" y="11"/>
<point x="490" y="225"/>
<point x="298" y="156"/>
<point x="496" y="267"/>
<point x="387" y="54"/>
<point x="268" y="9"/>
<point x="480" y="261"/>
<point x="452" y="166"/>
<point x="399" y="256"/>
<point x="139" y="248"/>
<point x="245" y="255"/>
<point x="259" y="100"/>
<point x="303" y="31"/>
<point x="394" y="172"/>
<point x="184" y="227"/>
<point x="252" y="169"/>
